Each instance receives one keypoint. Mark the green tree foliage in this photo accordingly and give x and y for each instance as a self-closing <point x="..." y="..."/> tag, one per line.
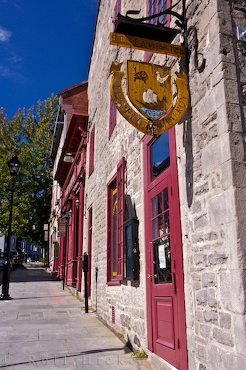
<point x="29" y="136"/>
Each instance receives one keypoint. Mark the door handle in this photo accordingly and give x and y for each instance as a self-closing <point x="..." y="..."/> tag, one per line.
<point x="149" y="276"/>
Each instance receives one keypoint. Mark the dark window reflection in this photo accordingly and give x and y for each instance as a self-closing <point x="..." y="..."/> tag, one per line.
<point x="161" y="238"/>
<point x="160" y="155"/>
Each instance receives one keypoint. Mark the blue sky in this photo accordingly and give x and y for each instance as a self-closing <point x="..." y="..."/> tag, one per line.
<point x="45" y="47"/>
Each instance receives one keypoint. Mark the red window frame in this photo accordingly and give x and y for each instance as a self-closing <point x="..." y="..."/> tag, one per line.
<point x="154" y="7"/>
<point x="116" y="212"/>
<point x="92" y="147"/>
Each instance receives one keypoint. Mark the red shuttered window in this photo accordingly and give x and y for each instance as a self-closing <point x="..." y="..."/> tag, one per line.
<point x="154" y="7"/>
<point x="116" y="211"/>
<point x="92" y="147"/>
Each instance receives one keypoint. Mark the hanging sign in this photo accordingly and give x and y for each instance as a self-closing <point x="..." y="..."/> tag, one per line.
<point x="150" y="105"/>
<point x="140" y="43"/>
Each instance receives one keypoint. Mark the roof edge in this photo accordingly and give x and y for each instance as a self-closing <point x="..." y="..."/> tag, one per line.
<point x="69" y="89"/>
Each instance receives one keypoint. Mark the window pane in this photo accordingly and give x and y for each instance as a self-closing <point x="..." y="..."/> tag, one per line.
<point x="159" y="200"/>
<point x="165" y="196"/>
<point x="154" y="207"/>
<point x="160" y="155"/>
<point x="162" y="265"/>
<point x="156" y="6"/>
<point x="158" y="227"/>
<point x="161" y="239"/>
<point x="166" y="223"/>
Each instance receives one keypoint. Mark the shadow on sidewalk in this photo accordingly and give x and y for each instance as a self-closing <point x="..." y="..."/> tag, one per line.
<point x="66" y="356"/>
<point x="42" y="297"/>
<point x="29" y="273"/>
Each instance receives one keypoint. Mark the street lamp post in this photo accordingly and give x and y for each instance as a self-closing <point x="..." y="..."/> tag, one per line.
<point x="14" y="169"/>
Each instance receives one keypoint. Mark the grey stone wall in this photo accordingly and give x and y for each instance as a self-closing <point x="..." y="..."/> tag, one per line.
<point x="211" y="152"/>
<point x="212" y="173"/>
<point x="128" y="301"/>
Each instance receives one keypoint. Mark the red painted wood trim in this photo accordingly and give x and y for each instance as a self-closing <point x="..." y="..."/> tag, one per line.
<point x="81" y="232"/>
<point x="113" y="283"/>
<point x="109" y="229"/>
<point x="171" y="172"/>
<point x="178" y="241"/>
<point x="120" y="184"/>
<point x="147" y="250"/>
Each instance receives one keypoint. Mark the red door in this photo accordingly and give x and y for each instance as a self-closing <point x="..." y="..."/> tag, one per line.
<point x="165" y="292"/>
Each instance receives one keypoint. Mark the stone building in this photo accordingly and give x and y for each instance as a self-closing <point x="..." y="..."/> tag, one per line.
<point x="164" y="218"/>
<point x="202" y="319"/>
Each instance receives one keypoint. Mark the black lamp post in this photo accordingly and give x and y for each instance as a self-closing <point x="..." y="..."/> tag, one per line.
<point x="14" y="169"/>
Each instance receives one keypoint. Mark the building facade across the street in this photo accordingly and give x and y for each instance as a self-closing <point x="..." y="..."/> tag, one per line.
<point x="69" y="152"/>
<point x="161" y="217"/>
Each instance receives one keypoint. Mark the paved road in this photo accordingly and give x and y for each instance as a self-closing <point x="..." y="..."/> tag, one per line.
<point x="45" y="327"/>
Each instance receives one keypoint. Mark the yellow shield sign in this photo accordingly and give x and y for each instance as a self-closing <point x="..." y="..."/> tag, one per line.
<point x="150" y="106"/>
<point x="149" y="88"/>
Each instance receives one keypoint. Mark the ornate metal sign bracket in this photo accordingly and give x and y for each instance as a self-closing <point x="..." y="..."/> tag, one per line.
<point x="136" y="27"/>
<point x="180" y="22"/>
<point x="155" y="98"/>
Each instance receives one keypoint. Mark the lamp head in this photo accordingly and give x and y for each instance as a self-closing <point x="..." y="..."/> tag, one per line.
<point x="14" y="166"/>
<point x="77" y="203"/>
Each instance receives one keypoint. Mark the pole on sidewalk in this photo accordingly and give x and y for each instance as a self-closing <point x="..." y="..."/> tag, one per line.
<point x="67" y="217"/>
<point x="6" y="272"/>
<point x="64" y="264"/>
<point x="85" y="270"/>
<point x="14" y="168"/>
<point x="96" y="285"/>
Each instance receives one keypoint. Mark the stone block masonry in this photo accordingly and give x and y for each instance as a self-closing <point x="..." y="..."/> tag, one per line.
<point x="213" y="224"/>
<point x="211" y="161"/>
<point x="128" y="301"/>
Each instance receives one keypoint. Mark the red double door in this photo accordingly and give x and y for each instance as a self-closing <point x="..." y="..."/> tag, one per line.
<point x="164" y="262"/>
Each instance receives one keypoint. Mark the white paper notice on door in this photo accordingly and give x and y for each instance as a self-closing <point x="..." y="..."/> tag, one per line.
<point x="162" y="256"/>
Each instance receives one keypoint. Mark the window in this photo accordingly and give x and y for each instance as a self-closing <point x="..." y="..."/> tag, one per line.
<point x="160" y="155"/>
<point x="92" y="145"/>
<point x="112" y="108"/>
<point x="157" y="6"/>
<point x="112" y="117"/>
<point x="154" y="7"/>
<point x="116" y="210"/>
<point x="117" y="8"/>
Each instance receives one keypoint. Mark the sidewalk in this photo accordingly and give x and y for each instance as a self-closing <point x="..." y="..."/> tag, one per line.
<point x="45" y="327"/>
